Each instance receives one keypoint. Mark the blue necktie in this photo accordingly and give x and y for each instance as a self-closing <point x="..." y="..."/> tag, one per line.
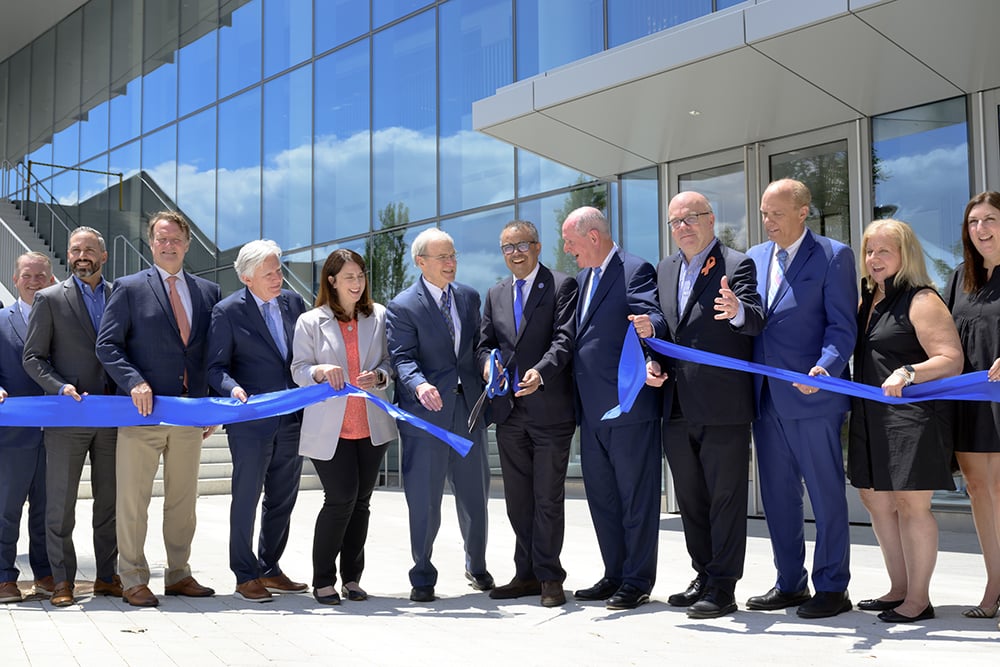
<point x="446" y="312"/>
<point x="518" y="303"/>
<point x="274" y="326"/>
<point x="594" y="280"/>
<point x="772" y="292"/>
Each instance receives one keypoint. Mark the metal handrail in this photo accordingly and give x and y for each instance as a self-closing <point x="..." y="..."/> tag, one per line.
<point x="120" y="175"/>
<point x="121" y="248"/>
<point x="24" y="183"/>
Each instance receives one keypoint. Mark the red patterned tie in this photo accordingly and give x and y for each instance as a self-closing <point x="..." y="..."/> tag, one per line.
<point x="175" y="303"/>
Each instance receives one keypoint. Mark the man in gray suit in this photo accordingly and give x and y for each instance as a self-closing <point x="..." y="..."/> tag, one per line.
<point x="59" y="355"/>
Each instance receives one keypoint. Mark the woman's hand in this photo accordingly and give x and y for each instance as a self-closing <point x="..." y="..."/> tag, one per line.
<point x="329" y="373"/>
<point x="994" y="373"/>
<point x="893" y="385"/>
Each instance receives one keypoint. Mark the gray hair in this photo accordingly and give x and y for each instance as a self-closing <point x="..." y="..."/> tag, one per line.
<point x="419" y="246"/>
<point x="253" y="255"/>
<point x="88" y="230"/>
<point x="586" y="218"/>
<point x="522" y="225"/>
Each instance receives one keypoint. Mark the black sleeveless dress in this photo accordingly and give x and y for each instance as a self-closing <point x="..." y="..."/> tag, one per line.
<point x="977" y="317"/>
<point x="895" y="447"/>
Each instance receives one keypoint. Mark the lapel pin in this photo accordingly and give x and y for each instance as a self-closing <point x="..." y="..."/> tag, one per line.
<point x="709" y="263"/>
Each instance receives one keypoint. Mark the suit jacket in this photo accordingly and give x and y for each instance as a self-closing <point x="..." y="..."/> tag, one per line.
<point x="545" y="343"/>
<point x="706" y="394"/>
<point x="812" y="322"/>
<point x="139" y="340"/>
<point x="12" y="376"/>
<point x="627" y="287"/>
<point x="421" y="350"/>
<point x="319" y="340"/>
<point x="241" y="352"/>
<point x="59" y="348"/>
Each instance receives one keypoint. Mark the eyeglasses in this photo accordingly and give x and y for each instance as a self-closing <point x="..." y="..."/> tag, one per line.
<point x="452" y="257"/>
<point x="689" y="221"/>
<point x="523" y="246"/>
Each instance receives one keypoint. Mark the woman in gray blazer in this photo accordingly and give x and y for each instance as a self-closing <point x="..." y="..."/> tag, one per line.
<point x="343" y="340"/>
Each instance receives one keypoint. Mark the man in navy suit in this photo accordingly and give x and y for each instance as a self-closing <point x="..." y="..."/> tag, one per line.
<point x="22" y="456"/>
<point x="59" y="355"/>
<point x="249" y="352"/>
<point x="433" y="332"/>
<point x="530" y="318"/>
<point x="621" y="456"/>
<point x="152" y="342"/>
<point x="809" y="288"/>
<point x="708" y="293"/>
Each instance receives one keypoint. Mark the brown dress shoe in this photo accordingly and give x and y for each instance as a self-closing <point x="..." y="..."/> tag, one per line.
<point x="140" y="596"/>
<point x="9" y="592"/>
<point x="253" y="591"/>
<point x="516" y="588"/>
<point x="188" y="587"/>
<point x="282" y="584"/>
<point x="112" y="588"/>
<point x="62" y="595"/>
<point x="553" y="594"/>
<point x="44" y="586"/>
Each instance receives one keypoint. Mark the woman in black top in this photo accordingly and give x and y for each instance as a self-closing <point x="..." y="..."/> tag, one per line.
<point x="973" y="294"/>
<point x="899" y="454"/>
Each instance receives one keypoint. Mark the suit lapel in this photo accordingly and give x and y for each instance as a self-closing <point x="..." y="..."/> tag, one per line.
<point x="330" y="328"/>
<point x="707" y="275"/>
<point x="366" y="336"/>
<point x="160" y="292"/>
<point x="792" y="271"/>
<point x="252" y="312"/>
<point x="539" y="287"/>
<point x="671" y="280"/>
<point x="79" y="308"/>
<point x="17" y="322"/>
<point x="603" y="286"/>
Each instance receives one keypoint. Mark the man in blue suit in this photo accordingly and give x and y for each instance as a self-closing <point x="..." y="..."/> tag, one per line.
<point x="809" y="288"/>
<point x="620" y="457"/>
<point x="433" y="332"/>
<point x="152" y="342"/>
<point x="249" y="352"/>
<point x="22" y="456"/>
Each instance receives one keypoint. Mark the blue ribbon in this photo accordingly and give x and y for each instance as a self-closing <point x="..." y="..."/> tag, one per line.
<point x="498" y="383"/>
<point x="111" y="411"/>
<point x="632" y="367"/>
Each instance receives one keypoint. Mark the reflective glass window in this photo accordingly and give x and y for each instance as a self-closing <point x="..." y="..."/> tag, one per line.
<point x="725" y="189"/>
<point x="43" y="89"/>
<point x="640" y="193"/>
<point x="65" y="187"/>
<point x="66" y="145"/>
<point x="196" y="170"/>
<point x="341" y="148"/>
<point x="404" y="144"/>
<point x="338" y="21"/>
<point x="287" y="29"/>
<point x="98" y="195"/>
<point x="921" y="170"/>
<point x="476" y="45"/>
<point x="825" y="171"/>
<point x="96" y="68"/>
<point x="632" y="19"/>
<point x="159" y="166"/>
<point x="551" y="33"/>
<point x="723" y="4"/>
<point x="3" y="109"/>
<point x="239" y="46"/>
<point x="69" y="51"/>
<point x="17" y="110"/>
<point x="390" y="267"/>
<point x="197" y="58"/>
<point x="94" y="130"/>
<point x="538" y="174"/>
<point x="287" y="206"/>
<point x="127" y="222"/>
<point x="161" y="21"/>
<point x="126" y="69"/>
<point x="298" y="270"/>
<point x="239" y="170"/>
<point x="384" y="11"/>
<point x="477" y="242"/>
<point x="548" y="215"/>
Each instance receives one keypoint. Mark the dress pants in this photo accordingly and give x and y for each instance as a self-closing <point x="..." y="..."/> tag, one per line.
<point x="533" y="460"/>
<point x="270" y="465"/>
<point x="66" y="451"/>
<point x="427" y="463"/>
<point x="788" y="452"/>
<point x="710" y="466"/>
<point x="622" y="473"/>
<point x="22" y="478"/>
<point x="139" y="451"/>
<point x="348" y="480"/>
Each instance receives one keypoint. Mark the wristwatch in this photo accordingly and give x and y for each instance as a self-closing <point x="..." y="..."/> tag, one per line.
<point x="907" y="373"/>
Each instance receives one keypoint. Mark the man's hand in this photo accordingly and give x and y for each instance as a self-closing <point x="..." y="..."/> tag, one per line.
<point x="70" y="390"/>
<point x="726" y="304"/>
<point x="207" y="431"/>
<point x="142" y="398"/>
<point x="813" y="372"/>
<point x="3" y="394"/>
<point x="643" y="327"/>
<point x="655" y="376"/>
<point x="429" y="397"/>
<point x="530" y="382"/>
<point x="329" y="373"/>
<point x="240" y="394"/>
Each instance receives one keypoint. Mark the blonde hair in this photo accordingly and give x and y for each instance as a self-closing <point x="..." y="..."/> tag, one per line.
<point x="912" y="269"/>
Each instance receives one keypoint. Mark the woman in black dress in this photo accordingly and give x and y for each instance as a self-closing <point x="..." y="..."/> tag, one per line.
<point x="899" y="454"/>
<point x="973" y="294"/>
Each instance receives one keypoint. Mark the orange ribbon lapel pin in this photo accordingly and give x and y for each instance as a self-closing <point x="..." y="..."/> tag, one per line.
<point x="709" y="263"/>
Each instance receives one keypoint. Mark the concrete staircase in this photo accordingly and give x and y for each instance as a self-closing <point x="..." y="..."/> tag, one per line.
<point x="215" y="474"/>
<point x="26" y="233"/>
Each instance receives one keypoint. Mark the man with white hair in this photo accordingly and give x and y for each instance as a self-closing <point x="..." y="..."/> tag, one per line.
<point x="433" y="331"/>
<point x="249" y="352"/>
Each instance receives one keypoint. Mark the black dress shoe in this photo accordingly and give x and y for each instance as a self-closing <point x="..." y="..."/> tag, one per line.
<point x="893" y="616"/>
<point x="602" y="590"/>
<point x="422" y="594"/>
<point x="713" y="604"/>
<point x="330" y="599"/>
<point x="824" y="605"/>
<point x="693" y="593"/>
<point x="481" y="582"/>
<point x="878" y="605"/>
<point x="776" y="599"/>
<point x="516" y="588"/>
<point x="627" y="597"/>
